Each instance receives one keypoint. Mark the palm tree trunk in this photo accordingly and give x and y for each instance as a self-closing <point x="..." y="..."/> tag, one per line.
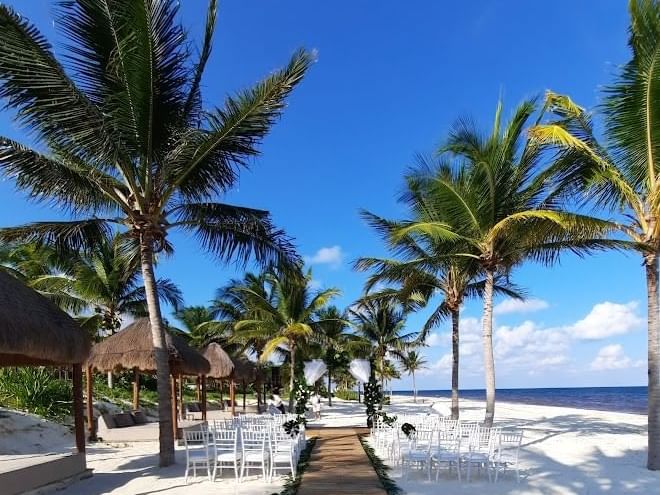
<point x="455" y="318"/>
<point x="651" y="264"/>
<point x="329" y="388"/>
<point x="414" y="388"/>
<point x="489" y="361"/>
<point x="165" y="436"/>
<point x="292" y="377"/>
<point x="110" y="381"/>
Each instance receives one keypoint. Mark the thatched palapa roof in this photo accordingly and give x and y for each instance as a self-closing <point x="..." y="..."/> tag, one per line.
<point x="132" y="347"/>
<point x="34" y="331"/>
<point x="221" y="364"/>
<point x="244" y="370"/>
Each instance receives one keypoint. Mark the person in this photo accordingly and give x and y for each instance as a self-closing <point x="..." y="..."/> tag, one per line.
<point x="277" y="401"/>
<point x="316" y="405"/>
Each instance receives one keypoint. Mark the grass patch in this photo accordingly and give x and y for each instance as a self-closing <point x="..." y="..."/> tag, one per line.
<point x="292" y="484"/>
<point x="381" y="469"/>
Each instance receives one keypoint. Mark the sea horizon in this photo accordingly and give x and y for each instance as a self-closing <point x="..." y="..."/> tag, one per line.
<point x="627" y="399"/>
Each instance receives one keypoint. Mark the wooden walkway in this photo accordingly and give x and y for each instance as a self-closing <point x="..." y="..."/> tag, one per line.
<point x="339" y="465"/>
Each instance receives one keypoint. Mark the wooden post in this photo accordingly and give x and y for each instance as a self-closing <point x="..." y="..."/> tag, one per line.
<point x="175" y="426"/>
<point x="244" y="387"/>
<point x="359" y="401"/>
<point x="222" y="386"/>
<point x="78" y="419"/>
<point x="203" y="384"/>
<point x="199" y="390"/>
<point x="232" y="397"/>
<point x="182" y="409"/>
<point x="90" y="404"/>
<point x="136" y="389"/>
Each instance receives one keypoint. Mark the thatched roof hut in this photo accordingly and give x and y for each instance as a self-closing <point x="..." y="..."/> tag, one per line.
<point x="244" y="370"/>
<point x="34" y="331"/>
<point x="132" y="348"/>
<point x="221" y="364"/>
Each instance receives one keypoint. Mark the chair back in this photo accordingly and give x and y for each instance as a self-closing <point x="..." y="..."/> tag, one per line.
<point x="196" y="440"/>
<point x="449" y="441"/>
<point x="224" y="440"/>
<point x="510" y="441"/>
<point x="253" y="440"/>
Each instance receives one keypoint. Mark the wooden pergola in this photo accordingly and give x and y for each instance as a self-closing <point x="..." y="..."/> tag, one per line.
<point x="132" y="349"/>
<point x="35" y="332"/>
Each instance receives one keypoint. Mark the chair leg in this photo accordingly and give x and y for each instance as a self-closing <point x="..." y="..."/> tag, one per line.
<point x="185" y="476"/>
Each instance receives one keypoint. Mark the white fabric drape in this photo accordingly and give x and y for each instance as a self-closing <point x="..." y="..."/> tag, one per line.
<point x="360" y="369"/>
<point x="314" y="370"/>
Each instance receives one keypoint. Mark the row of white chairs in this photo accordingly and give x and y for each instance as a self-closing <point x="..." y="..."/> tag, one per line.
<point x="452" y="444"/>
<point x="243" y="446"/>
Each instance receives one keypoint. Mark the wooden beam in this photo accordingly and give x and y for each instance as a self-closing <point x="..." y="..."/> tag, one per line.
<point x="175" y="426"/>
<point x="78" y="419"/>
<point x="91" y="430"/>
<point x="204" y="406"/>
<point x="232" y="397"/>
<point x="199" y="389"/>
<point x="136" y="389"/>
<point x="182" y="411"/>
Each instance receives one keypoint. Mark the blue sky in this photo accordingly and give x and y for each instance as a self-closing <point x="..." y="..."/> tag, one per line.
<point x="390" y="79"/>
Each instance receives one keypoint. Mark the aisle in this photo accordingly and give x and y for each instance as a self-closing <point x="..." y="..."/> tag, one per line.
<point x="339" y="465"/>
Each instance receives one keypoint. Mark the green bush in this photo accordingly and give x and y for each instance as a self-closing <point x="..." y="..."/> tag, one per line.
<point x="37" y="391"/>
<point x="346" y="394"/>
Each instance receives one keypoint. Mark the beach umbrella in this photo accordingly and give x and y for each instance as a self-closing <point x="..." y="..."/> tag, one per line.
<point x="314" y="370"/>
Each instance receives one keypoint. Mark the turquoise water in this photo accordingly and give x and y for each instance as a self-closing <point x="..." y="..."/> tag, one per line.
<point x="618" y="399"/>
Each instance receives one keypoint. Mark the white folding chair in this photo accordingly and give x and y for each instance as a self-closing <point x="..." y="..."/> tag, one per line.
<point x="507" y="453"/>
<point x="254" y="451"/>
<point x="197" y="452"/>
<point x="418" y="451"/>
<point x="447" y="452"/>
<point x="225" y="451"/>
<point x="284" y="453"/>
<point x="482" y="448"/>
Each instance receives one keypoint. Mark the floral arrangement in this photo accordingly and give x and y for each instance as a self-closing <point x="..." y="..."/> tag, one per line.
<point x="372" y="400"/>
<point x="292" y="427"/>
<point x="301" y="396"/>
<point x="408" y="429"/>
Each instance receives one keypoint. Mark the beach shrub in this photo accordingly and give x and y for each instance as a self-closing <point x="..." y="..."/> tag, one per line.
<point x="346" y="394"/>
<point x="37" y="391"/>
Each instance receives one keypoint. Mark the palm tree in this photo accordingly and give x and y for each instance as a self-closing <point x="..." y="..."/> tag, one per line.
<point x="129" y="143"/>
<point x="424" y="270"/>
<point x="497" y="206"/>
<point x="285" y="316"/>
<point x="622" y="174"/>
<point x="412" y="362"/>
<point x="199" y="325"/>
<point x="336" y="343"/>
<point x="381" y="321"/>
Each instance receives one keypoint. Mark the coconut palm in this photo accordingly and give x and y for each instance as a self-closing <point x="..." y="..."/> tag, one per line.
<point x="497" y="206"/>
<point x="412" y="361"/>
<point x="381" y="321"/>
<point x="285" y="316"/>
<point x="337" y="344"/>
<point x="423" y="270"/>
<point x="200" y="326"/>
<point x="123" y="139"/>
<point x="622" y="175"/>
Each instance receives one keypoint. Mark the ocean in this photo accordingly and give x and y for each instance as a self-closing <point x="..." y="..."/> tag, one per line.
<point x="617" y="399"/>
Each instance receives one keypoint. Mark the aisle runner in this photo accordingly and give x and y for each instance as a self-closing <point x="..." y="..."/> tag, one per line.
<point x="339" y="465"/>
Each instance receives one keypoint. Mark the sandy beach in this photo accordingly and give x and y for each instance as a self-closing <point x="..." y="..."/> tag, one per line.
<point x="565" y="451"/>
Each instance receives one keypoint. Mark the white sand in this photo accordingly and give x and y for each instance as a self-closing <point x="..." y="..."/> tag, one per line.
<point x="565" y="451"/>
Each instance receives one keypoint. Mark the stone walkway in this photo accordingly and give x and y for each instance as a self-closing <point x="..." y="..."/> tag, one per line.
<point x="339" y="465"/>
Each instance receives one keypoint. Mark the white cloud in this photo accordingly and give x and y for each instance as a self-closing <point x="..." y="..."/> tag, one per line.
<point x="612" y="357"/>
<point x="517" y="306"/>
<point x="332" y="256"/>
<point x="533" y="348"/>
<point x="607" y="319"/>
